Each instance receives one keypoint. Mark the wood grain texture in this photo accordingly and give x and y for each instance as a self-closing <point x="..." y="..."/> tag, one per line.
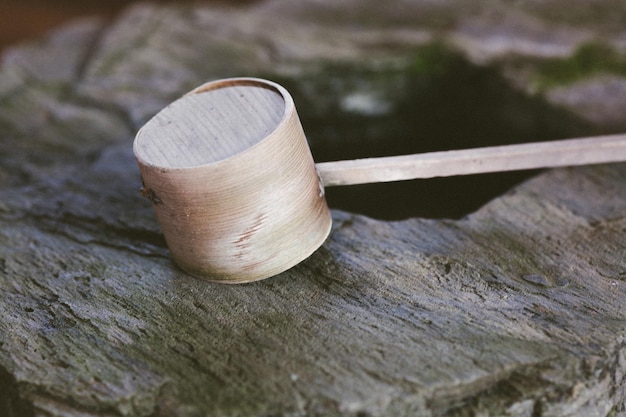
<point x="232" y="181"/>
<point x="570" y="152"/>
<point x="514" y="310"/>
<point x="203" y="128"/>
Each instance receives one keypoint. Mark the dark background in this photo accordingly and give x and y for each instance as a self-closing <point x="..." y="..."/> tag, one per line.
<point x="29" y="19"/>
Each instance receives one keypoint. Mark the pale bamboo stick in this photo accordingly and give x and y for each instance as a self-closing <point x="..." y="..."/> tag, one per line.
<point x="570" y="152"/>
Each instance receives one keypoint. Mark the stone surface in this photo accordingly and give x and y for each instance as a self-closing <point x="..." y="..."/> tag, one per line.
<point x="515" y="309"/>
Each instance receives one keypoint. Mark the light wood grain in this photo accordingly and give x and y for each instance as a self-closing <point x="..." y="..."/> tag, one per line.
<point x="205" y="128"/>
<point x="233" y="182"/>
<point x="570" y="152"/>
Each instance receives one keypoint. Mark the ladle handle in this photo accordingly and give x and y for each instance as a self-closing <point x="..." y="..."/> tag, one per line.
<point x="569" y="152"/>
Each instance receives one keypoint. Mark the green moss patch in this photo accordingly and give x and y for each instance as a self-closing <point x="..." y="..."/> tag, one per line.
<point x="589" y="59"/>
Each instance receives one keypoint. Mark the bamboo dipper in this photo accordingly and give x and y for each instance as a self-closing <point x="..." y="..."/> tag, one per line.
<point x="238" y="195"/>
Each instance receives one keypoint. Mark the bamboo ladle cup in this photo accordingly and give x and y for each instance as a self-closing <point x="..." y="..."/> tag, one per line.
<point x="238" y="195"/>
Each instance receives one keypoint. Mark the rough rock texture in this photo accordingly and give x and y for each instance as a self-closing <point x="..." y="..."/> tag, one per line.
<point x="515" y="309"/>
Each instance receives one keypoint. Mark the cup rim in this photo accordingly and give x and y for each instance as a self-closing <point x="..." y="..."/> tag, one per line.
<point x="215" y="85"/>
